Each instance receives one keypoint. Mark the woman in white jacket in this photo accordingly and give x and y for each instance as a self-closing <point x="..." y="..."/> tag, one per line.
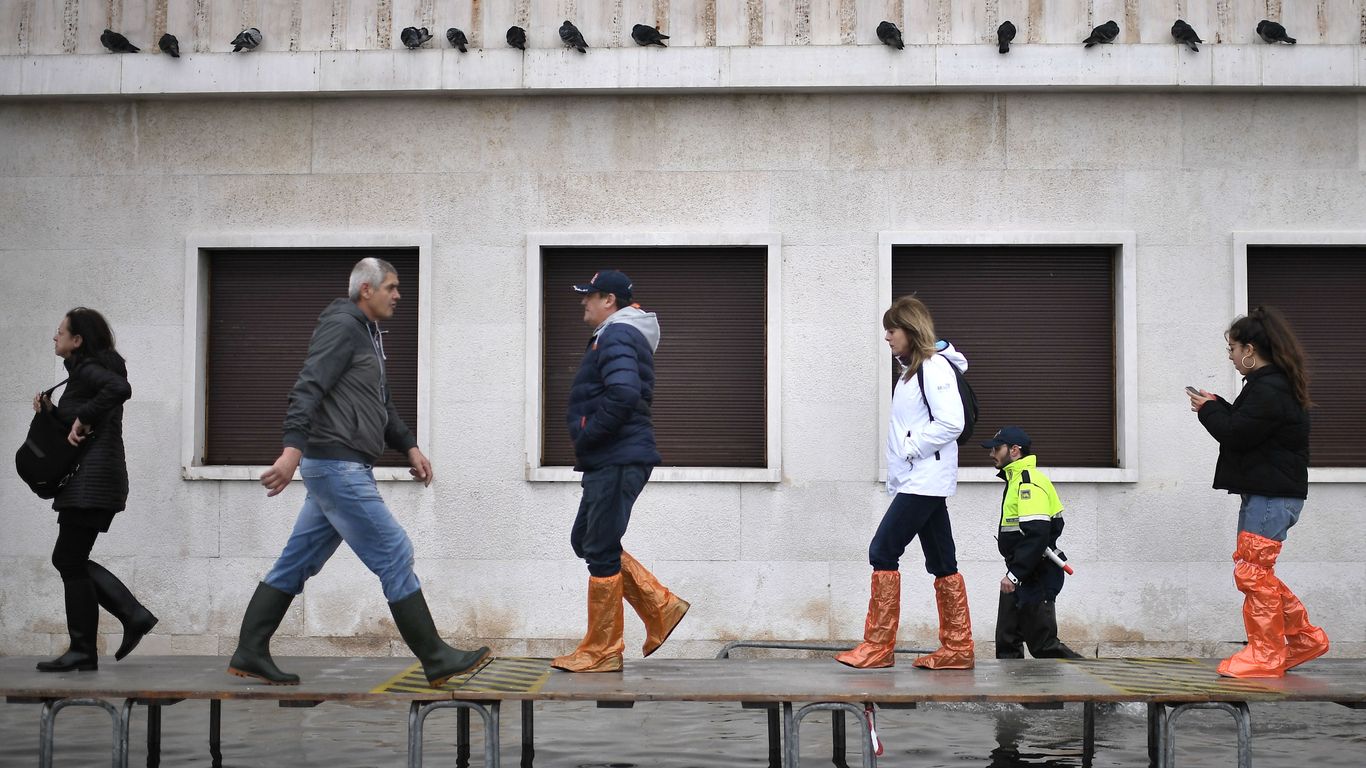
<point x="922" y="471"/>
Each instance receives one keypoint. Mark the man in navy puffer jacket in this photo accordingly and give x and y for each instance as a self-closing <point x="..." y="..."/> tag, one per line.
<point x="614" y="447"/>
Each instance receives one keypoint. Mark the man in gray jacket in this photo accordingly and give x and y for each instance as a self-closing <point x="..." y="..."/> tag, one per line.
<point x="339" y="421"/>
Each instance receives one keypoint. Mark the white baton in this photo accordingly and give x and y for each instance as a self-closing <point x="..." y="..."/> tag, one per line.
<point x="1067" y="569"/>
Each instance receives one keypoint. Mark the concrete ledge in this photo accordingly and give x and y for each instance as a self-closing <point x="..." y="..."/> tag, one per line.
<point x="739" y="69"/>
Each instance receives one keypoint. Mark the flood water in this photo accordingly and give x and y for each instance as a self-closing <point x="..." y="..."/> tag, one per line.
<point x="669" y="734"/>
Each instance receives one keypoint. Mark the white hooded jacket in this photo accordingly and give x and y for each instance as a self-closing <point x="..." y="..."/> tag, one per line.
<point x="922" y="455"/>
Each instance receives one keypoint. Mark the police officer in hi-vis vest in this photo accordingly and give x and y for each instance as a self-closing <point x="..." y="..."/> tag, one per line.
<point x="1031" y="522"/>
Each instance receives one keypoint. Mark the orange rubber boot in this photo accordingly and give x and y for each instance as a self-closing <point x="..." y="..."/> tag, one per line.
<point x="600" y="650"/>
<point x="955" y="627"/>
<point x="1304" y="641"/>
<point x="658" y="608"/>
<point x="1263" y="607"/>
<point x="879" y="630"/>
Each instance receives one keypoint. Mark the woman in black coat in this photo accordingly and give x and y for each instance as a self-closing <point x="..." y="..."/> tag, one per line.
<point x="1264" y="458"/>
<point x="93" y="405"/>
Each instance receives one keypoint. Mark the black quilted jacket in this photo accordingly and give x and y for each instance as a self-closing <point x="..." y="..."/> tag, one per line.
<point x="95" y="394"/>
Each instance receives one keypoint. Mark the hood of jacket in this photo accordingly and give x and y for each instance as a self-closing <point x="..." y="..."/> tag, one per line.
<point x="645" y="322"/>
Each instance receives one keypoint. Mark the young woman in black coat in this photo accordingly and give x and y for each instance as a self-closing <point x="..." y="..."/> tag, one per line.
<point x="92" y="404"/>
<point x="1264" y="458"/>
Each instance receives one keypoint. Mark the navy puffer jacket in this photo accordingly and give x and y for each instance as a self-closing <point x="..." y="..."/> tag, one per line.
<point x="610" y="399"/>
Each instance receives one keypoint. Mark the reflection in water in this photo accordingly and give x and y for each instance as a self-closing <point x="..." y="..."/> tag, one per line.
<point x="677" y="735"/>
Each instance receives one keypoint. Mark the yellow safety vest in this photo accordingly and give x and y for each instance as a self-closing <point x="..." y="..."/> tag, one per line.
<point x="1029" y="495"/>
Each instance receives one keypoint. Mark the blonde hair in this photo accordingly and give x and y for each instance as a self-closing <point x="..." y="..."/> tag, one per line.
<point x="912" y="316"/>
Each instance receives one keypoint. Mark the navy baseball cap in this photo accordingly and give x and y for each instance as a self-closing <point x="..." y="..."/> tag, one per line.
<point x="1008" y="436"/>
<point x="608" y="281"/>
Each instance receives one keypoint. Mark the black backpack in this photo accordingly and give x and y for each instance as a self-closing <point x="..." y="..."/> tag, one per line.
<point x="965" y="393"/>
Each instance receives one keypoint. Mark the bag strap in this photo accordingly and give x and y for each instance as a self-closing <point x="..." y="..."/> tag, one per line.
<point x="47" y="394"/>
<point x="920" y="377"/>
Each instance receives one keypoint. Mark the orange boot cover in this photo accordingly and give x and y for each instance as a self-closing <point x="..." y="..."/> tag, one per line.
<point x="601" y="648"/>
<point x="879" y="630"/>
<point x="658" y="608"/>
<point x="1255" y="577"/>
<point x="1303" y="640"/>
<point x="955" y="627"/>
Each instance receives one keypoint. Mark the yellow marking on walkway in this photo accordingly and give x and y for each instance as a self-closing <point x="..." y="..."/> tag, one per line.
<point x="512" y="674"/>
<point x="1148" y="676"/>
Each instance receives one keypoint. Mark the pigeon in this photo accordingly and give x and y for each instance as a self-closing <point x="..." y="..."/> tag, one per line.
<point x="247" y="38"/>
<point x="517" y="38"/>
<point x="572" y="37"/>
<point x="117" y="43"/>
<point x="1004" y="34"/>
<point x="1105" y="33"/>
<point x="414" y="37"/>
<point x="1273" y="32"/>
<point x="645" y="35"/>
<point x="457" y="39"/>
<point x="890" y="35"/>
<point x="168" y="44"/>
<point x="1185" y="33"/>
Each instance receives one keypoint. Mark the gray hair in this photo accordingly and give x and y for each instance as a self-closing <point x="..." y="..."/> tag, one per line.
<point x="369" y="270"/>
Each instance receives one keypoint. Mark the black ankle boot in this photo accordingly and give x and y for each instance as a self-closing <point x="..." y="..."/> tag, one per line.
<point x="116" y="598"/>
<point x="440" y="662"/>
<point x="82" y="622"/>
<point x="252" y="659"/>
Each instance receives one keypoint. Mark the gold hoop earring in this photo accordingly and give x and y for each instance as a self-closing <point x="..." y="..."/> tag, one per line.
<point x="1247" y="357"/>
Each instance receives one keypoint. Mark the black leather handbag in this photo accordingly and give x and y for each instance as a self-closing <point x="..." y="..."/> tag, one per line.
<point x="46" y="461"/>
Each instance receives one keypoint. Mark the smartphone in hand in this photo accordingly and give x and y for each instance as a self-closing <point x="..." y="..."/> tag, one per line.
<point x="1194" y="392"/>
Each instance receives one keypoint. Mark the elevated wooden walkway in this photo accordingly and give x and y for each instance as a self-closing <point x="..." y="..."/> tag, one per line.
<point x="1167" y="686"/>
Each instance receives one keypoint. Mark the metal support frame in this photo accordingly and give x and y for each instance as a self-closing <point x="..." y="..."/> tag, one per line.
<point x="47" y="729"/>
<point x="216" y="733"/>
<point x="417" y="716"/>
<point x="1088" y="733"/>
<point x="1162" y="729"/>
<point x="153" y="725"/>
<point x="792" y="730"/>
<point x="528" y="733"/>
<point x="775" y="750"/>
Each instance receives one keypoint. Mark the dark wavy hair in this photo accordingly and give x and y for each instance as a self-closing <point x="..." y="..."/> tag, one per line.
<point x="97" y="339"/>
<point x="1266" y="329"/>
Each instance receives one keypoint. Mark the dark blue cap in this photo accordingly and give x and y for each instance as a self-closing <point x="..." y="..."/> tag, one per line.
<point x="609" y="281"/>
<point x="1008" y="436"/>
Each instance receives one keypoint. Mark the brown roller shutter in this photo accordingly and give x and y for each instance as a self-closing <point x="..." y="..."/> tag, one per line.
<point x="263" y="306"/>
<point x="1320" y="291"/>
<point x="709" y="404"/>
<point x="1037" y="325"/>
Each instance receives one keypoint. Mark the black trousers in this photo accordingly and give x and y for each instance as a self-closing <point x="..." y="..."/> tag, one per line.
<point x="910" y="516"/>
<point x="1034" y="625"/>
<point x="72" y="551"/>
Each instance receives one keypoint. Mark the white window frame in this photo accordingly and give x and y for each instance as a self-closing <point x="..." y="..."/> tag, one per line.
<point x="1241" y="241"/>
<point x="1126" y="341"/>
<point x="535" y="385"/>
<point x="194" y="372"/>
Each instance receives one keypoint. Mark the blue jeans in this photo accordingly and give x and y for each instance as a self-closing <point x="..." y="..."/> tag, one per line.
<point x="343" y="504"/>
<point x="1268" y="516"/>
<point x="604" y="511"/>
<point x="908" y="516"/>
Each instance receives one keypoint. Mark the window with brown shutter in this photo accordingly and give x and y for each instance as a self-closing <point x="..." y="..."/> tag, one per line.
<point x="1316" y="288"/>
<point x="263" y="307"/>
<point x="709" y="405"/>
<point x="1038" y="326"/>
